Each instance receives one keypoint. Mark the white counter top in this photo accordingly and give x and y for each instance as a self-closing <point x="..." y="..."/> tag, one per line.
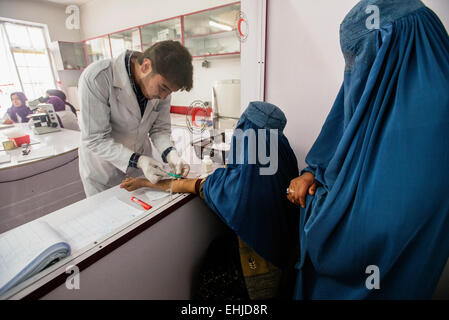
<point x="78" y="212"/>
<point x="43" y="146"/>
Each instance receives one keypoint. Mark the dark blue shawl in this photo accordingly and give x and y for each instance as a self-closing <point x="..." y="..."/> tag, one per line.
<point x="252" y="203"/>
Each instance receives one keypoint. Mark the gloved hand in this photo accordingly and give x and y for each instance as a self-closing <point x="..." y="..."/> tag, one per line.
<point x="152" y="169"/>
<point x="177" y="164"/>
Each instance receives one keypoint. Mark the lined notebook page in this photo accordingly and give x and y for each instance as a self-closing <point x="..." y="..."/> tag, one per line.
<point x="88" y="227"/>
<point x="22" y="245"/>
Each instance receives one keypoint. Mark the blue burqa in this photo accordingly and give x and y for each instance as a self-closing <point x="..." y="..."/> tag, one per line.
<point x="252" y="202"/>
<point x="382" y="162"/>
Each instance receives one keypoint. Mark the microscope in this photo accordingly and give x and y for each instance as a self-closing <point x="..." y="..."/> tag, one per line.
<point x="45" y="120"/>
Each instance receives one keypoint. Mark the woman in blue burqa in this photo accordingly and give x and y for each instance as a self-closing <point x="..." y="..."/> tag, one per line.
<point x="375" y="207"/>
<point x="255" y="260"/>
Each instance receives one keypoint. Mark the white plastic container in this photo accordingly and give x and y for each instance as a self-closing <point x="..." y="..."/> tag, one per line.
<point x="206" y="165"/>
<point x="226" y="98"/>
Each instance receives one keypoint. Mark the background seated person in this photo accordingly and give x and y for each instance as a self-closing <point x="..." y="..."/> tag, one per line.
<point x="256" y="260"/>
<point x="61" y="95"/>
<point x="67" y="119"/>
<point x="18" y="111"/>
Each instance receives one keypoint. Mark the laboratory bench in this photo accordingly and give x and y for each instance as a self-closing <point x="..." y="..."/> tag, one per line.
<point x="41" y="182"/>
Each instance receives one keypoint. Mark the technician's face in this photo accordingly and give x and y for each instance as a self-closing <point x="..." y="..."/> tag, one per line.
<point x="153" y="86"/>
<point x="16" y="101"/>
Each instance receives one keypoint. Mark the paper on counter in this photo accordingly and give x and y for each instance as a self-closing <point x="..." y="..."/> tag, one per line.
<point x="34" y="141"/>
<point x="5" y="158"/>
<point x="153" y="195"/>
<point x="90" y="226"/>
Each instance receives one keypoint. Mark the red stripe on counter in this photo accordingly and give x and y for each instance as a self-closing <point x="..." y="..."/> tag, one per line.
<point x="185" y="110"/>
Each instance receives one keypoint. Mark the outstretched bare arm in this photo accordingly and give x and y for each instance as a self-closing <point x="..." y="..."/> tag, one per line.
<point x="181" y="185"/>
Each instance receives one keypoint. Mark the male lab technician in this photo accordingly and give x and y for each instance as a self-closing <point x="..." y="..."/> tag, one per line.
<point x="125" y="102"/>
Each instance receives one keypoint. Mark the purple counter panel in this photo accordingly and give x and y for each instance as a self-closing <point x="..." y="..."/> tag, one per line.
<point x="32" y="190"/>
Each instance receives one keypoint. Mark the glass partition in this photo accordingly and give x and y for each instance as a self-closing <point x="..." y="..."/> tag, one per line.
<point x="159" y="31"/>
<point x="98" y="49"/>
<point x="213" y="31"/>
<point x="72" y="55"/>
<point x="125" y="40"/>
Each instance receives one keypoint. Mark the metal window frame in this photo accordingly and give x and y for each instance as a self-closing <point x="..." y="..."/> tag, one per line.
<point x="46" y="36"/>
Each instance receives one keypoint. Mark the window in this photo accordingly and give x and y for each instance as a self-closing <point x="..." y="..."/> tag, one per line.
<point x="25" y="62"/>
<point x="9" y="81"/>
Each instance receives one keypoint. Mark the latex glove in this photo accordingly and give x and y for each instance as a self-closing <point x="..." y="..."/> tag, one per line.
<point x="177" y="164"/>
<point x="152" y="169"/>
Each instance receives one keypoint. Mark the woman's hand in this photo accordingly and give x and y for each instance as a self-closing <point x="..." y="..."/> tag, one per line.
<point x="8" y="121"/>
<point x="131" y="184"/>
<point x="299" y="187"/>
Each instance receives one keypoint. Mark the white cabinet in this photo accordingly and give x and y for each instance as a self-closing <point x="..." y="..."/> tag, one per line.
<point x="68" y="55"/>
<point x="213" y="31"/>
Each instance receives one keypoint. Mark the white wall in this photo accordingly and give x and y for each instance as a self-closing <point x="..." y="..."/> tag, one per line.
<point x="253" y="52"/>
<point x="305" y="65"/>
<point x="441" y="8"/>
<point x="69" y="78"/>
<point x="220" y="68"/>
<point x="53" y="15"/>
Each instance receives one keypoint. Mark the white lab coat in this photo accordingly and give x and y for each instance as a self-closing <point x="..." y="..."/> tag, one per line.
<point x="112" y="127"/>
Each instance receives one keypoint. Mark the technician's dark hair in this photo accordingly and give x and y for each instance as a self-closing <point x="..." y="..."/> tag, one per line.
<point x="171" y="60"/>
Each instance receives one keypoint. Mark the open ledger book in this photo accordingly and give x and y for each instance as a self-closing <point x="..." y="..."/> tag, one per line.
<point x="30" y="248"/>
